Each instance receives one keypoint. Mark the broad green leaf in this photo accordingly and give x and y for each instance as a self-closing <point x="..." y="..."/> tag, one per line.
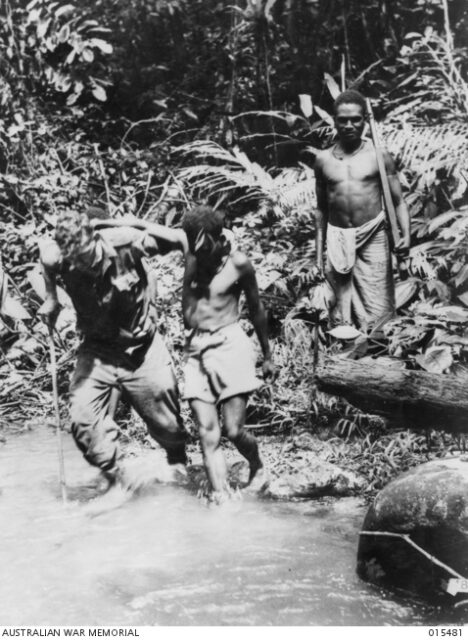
<point x="305" y="102"/>
<point x="333" y="87"/>
<point x="72" y="98"/>
<point x="443" y="218"/>
<point x="31" y="5"/>
<point x="33" y="16"/>
<point x="405" y="291"/>
<point x="14" y="309"/>
<point x="463" y="297"/>
<point x="103" y="45"/>
<point x="99" y="93"/>
<point x="64" y="9"/>
<point x="435" y="359"/>
<point x="88" y="55"/>
<point x="325" y="116"/>
<point x="71" y="56"/>
<point x="265" y="280"/>
<point x="455" y="314"/>
<point x="64" y="33"/>
<point x="42" y="27"/>
<point x="462" y="276"/>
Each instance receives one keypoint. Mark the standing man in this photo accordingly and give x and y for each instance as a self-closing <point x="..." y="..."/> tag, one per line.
<point x="106" y="279"/>
<point x="351" y="220"/>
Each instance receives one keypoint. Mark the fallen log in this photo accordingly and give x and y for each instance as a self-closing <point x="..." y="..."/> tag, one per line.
<point x="412" y="398"/>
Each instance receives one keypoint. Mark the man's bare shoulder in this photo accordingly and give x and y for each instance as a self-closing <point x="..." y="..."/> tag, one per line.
<point x="322" y="158"/>
<point x="50" y="254"/>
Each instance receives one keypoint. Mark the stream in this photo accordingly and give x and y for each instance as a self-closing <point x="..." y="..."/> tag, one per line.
<point x="165" y="558"/>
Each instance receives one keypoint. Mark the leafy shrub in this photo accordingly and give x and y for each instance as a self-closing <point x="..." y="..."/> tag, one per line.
<point x="51" y="48"/>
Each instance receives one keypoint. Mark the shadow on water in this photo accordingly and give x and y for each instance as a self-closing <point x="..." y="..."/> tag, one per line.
<point x="167" y="559"/>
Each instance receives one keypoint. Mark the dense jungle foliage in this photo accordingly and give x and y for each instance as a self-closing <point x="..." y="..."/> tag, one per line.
<point x="147" y="106"/>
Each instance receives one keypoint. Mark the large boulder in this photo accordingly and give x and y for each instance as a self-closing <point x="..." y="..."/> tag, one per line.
<point x="415" y="534"/>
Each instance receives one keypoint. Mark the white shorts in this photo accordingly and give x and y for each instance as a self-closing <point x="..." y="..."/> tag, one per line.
<point x="219" y="365"/>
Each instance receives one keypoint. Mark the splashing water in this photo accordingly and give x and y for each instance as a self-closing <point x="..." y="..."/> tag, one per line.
<point x="165" y="558"/>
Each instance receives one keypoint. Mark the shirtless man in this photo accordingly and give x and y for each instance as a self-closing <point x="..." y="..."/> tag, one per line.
<point x="220" y="361"/>
<point x="351" y="220"/>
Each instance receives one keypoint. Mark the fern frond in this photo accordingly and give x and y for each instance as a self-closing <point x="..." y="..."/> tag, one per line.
<point x="232" y="171"/>
<point x="424" y="150"/>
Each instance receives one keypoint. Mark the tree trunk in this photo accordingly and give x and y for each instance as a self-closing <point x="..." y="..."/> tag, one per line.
<point x="415" y="398"/>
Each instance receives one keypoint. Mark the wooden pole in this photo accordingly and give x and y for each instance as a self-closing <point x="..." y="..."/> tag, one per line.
<point x="387" y="196"/>
<point x="58" y="424"/>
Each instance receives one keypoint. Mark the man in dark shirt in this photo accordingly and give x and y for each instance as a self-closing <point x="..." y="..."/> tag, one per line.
<point x="106" y="278"/>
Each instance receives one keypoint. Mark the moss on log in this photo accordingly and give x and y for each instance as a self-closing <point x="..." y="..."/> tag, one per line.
<point x="415" y="398"/>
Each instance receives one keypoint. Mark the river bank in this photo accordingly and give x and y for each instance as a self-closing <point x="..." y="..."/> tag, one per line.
<point x="304" y="463"/>
<point x="301" y="464"/>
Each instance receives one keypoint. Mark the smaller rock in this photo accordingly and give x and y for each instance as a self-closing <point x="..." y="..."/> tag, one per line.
<point x="317" y="479"/>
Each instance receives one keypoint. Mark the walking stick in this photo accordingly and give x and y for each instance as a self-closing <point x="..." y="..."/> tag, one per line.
<point x="315" y="339"/>
<point x="58" y="424"/>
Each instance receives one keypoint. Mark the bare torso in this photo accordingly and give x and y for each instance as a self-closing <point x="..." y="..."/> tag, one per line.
<point x="351" y="185"/>
<point x="209" y="307"/>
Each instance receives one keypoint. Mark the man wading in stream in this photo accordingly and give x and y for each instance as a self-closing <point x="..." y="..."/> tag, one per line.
<point x="220" y="360"/>
<point x="351" y="219"/>
<point x="104" y="274"/>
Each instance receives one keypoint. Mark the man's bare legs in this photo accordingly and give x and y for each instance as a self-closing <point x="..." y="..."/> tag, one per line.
<point x="233" y="410"/>
<point x="206" y="416"/>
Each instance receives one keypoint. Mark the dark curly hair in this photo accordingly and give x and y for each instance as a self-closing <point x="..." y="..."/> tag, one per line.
<point x="351" y="96"/>
<point x="69" y="231"/>
<point x="203" y="218"/>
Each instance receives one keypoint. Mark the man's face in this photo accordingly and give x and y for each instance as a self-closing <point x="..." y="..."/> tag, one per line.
<point x="349" y="122"/>
<point x="82" y="254"/>
<point x="207" y="249"/>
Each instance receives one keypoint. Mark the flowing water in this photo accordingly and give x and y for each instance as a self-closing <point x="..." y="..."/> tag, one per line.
<point x="167" y="559"/>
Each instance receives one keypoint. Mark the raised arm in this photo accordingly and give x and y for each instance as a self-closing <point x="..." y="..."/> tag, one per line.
<point x="321" y="213"/>
<point x="401" y="209"/>
<point x="257" y="313"/>
<point x="171" y="239"/>
<point x="50" y="260"/>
